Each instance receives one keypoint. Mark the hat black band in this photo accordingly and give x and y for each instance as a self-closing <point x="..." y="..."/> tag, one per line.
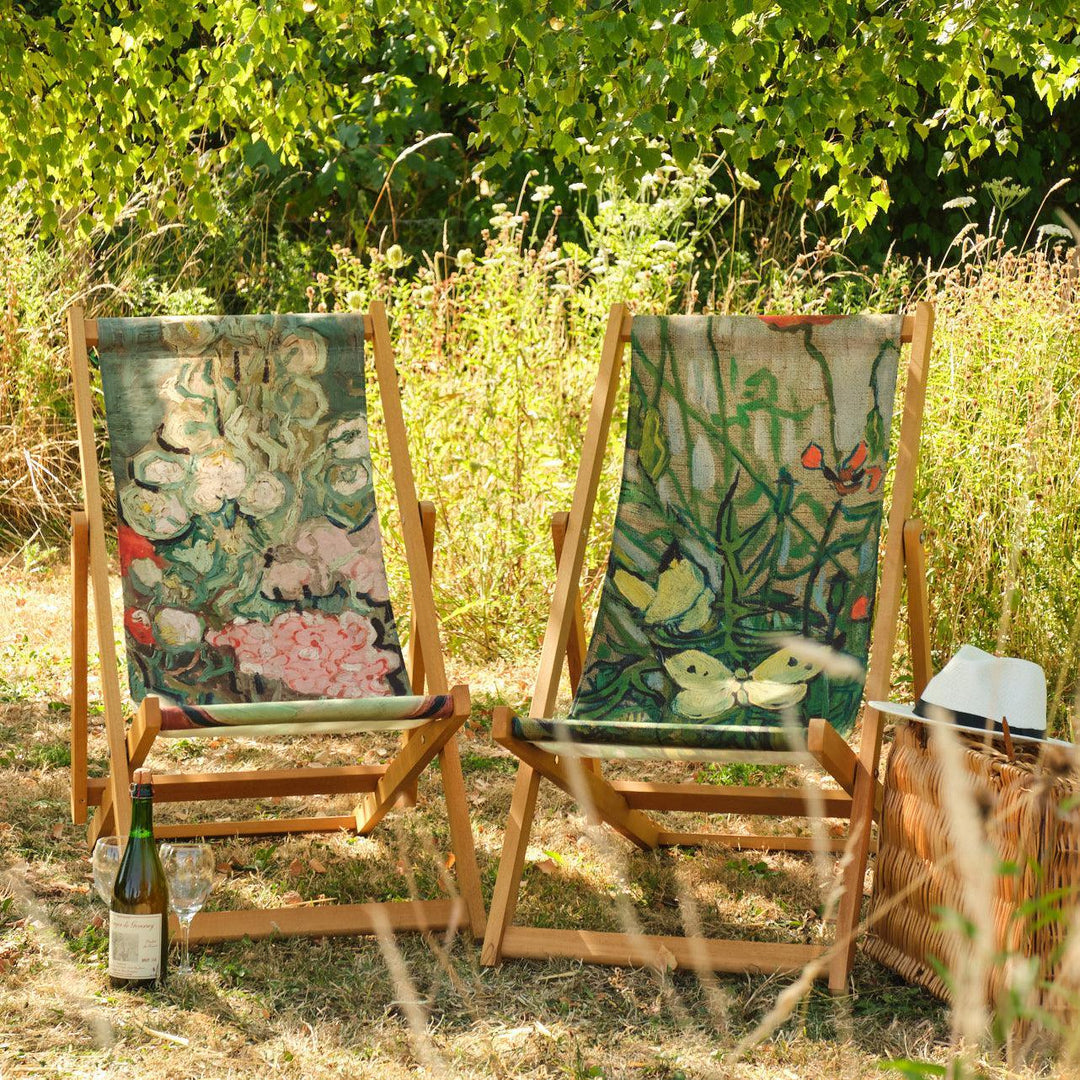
<point x="973" y="721"/>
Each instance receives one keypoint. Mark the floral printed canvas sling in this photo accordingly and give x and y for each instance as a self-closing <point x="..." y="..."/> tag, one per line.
<point x="250" y="550"/>
<point x="746" y="534"/>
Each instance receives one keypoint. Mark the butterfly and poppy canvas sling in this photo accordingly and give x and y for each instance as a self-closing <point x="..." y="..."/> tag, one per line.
<point x="254" y="588"/>
<point x="742" y="584"/>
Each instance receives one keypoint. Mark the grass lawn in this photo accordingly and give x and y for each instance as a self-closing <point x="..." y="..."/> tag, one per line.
<point x="332" y="1007"/>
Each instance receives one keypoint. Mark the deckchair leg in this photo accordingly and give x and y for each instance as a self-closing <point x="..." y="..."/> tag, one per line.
<point x="416" y="653"/>
<point x="461" y="836"/>
<point x="850" y="906"/>
<point x="511" y="863"/>
<point x="140" y="738"/>
<point x="576" y="647"/>
<point x="80" y="611"/>
<point x="918" y="604"/>
<point x="410" y="762"/>
<point x="593" y="793"/>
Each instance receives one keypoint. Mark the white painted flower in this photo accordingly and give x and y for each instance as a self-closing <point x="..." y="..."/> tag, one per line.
<point x="177" y="629"/>
<point x="146" y="574"/>
<point x="218" y="476"/>
<point x="157" y="468"/>
<point x="303" y="353"/>
<point x="158" y="515"/>
<point x="301" y="401"/>
<point x="347" y="440"/>
<point x="348" y="478"/>
<point x="188" y="425"/>
<point x="263" y="495"/>
<point x="187" y="335"/>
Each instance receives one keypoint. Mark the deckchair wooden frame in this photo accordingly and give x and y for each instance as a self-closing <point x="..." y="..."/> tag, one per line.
<point x="381" y="787"/>
<point x="623" y="804"/>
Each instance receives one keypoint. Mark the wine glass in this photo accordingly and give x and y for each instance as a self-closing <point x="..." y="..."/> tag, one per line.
<point x="189" y="871"/>
<point x="106" y="863"/>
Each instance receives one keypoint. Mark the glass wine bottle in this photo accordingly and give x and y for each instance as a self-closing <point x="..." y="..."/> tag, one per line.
<point x="139" y="912"/>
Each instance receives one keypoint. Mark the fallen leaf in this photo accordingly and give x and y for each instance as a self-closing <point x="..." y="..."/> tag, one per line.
<point x="58" y="830"/>
<point x="293" y="898"/>
<point x="318" y="866"/>
<point x="547" y="866"/>
<point x="296" y="868"/>
<point x="450" y="860"/>
<point x="666" y="959"/>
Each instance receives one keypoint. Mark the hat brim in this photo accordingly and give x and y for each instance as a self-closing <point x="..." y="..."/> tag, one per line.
<point x="892" y="708"/>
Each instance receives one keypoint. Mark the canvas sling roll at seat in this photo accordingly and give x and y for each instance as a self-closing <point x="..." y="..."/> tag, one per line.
<point x="742" y="577"/>
<point x="255" y="592"/>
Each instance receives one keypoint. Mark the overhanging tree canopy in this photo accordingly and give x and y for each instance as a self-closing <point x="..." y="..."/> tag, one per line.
<point x="98" y="99"/>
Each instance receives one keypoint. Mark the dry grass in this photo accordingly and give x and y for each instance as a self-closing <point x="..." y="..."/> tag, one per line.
<point x="331" y="1008"/>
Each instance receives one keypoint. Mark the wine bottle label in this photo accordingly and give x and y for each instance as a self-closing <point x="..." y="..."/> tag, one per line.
<point x="134" y="946"/>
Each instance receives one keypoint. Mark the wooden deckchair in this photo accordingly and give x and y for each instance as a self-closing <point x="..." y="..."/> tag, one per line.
<point x="254" y="586"/>
<point x="738" y="597"/>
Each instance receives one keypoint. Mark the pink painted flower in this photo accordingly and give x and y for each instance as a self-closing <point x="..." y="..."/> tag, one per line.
<point x="312" y="653"/>
<point x="321" y="557"/>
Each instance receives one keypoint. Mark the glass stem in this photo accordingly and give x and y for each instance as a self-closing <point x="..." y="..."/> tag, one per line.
<point x="185" y="957"/>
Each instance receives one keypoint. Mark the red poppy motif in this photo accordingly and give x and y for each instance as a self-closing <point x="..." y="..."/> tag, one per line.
<point x="137" y="624"/>
<point x="851" y="475"/>
<point x="132" y="546"/>
<point x="860" y="609"/>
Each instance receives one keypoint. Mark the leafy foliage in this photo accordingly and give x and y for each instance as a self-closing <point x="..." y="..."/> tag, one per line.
<point x="99" y="99"/>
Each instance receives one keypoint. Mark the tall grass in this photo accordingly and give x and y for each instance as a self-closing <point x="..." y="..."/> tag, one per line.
<point x="497" y="352"/>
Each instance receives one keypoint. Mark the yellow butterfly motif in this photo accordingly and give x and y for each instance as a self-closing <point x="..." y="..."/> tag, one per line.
<point x="680" y="595"/>
<point x="710" y="688"/>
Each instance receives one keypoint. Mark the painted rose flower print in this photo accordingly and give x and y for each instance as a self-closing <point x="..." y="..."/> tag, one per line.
<point x="314" y="654"/>
<point x="250" y="551"/>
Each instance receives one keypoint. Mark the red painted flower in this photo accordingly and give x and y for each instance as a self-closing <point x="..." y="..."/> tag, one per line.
<point x="133" y="545"/>
<point x="137" y="624"/>
<point x="851" y="475"/>
<point x="860" y="609"/>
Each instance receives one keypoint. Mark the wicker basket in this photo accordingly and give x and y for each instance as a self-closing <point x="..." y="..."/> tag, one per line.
<point x="1030" y="814"/>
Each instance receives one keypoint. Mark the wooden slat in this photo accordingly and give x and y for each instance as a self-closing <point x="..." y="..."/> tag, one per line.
<point x="412" y="529"/>
<point x="99" y="572"/>
<point x="410" y="761"/>
<point x="918" y="605"/>
<point x="663" y="952"/>
<point x="511" y="863"/>
<point x="887" y="616"/>
<point x="143" y="731"/>
<point x="907" y="329"/>
<point x="832" y="753"/>
<point x="738" y="842"/>
<point x="461" y="837"/>
<point x="416" y="652"/>
<point x="593" y="792"/>
<point x="561" y="616"/>
<point x="255" y="827"/>
<point x="576" y="646"/>
<point x="80" y="612"/>
<point x="319" y="920"/>
<point x="713" y="799"/>
<point x="257" y="784"/>
<point x="415" y="661"/>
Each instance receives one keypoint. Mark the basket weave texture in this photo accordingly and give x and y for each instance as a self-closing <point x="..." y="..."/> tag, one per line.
<point x="1030" y="818"/>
